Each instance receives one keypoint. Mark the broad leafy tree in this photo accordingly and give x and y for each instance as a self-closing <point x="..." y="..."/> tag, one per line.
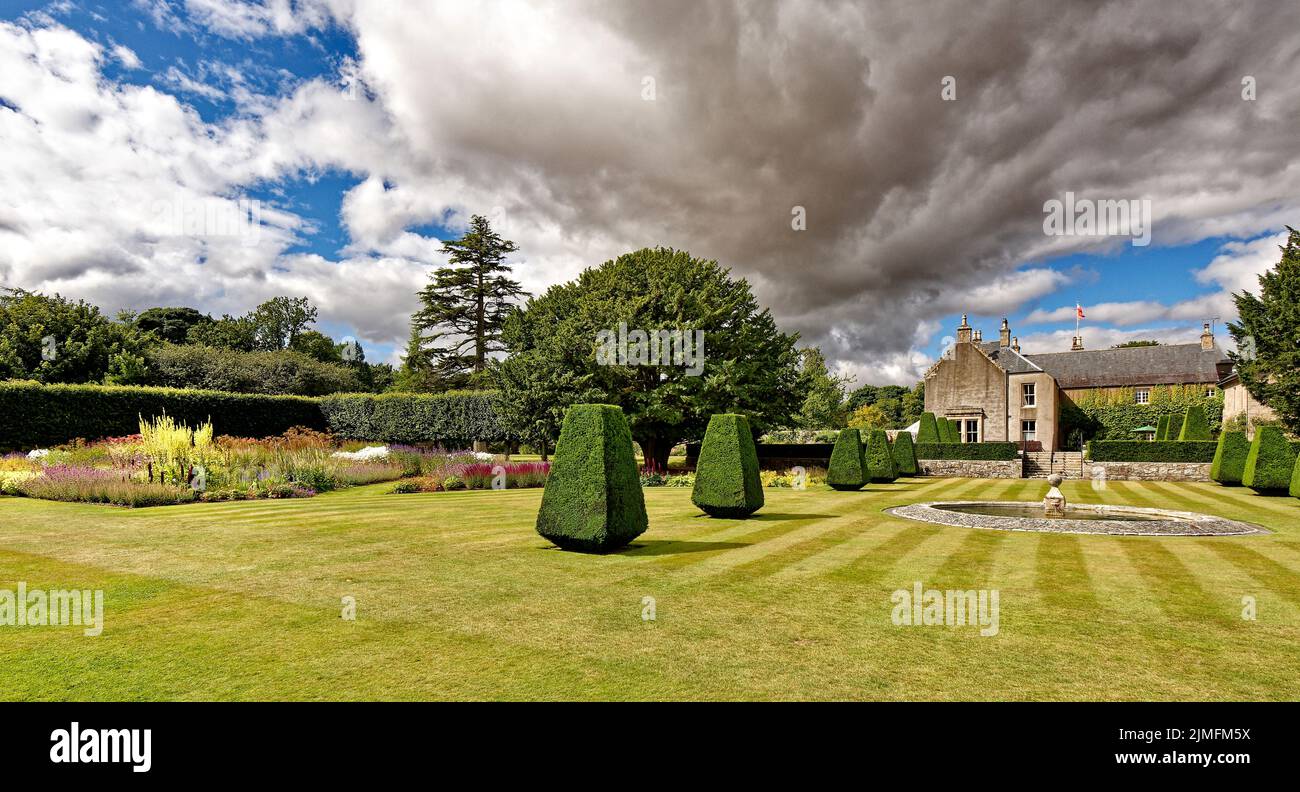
<point x="748" y="365"/>
<point x="464" y="307"/>
<point x="823" y="404"/>
<point x="170" y="324"/>
<point x="1268" y="336"/>
<point x="278" y="322"/>
<point x="52" y="339"/>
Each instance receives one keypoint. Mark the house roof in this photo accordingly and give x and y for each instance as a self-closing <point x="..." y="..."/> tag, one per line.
<point x="1007" y="359"/>
<point x="1172" y="364"/>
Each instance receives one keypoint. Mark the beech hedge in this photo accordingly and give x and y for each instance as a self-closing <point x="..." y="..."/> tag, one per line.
<point x="983" y="452"/>
<point x="451" y="418"/>
<point x="1144" y="451"/>
<point x="36" y="416"/>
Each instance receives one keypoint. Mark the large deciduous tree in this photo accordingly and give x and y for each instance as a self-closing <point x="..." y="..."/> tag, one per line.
<point x="52" y="339"/>
<point x="1268" y="336"/>
<point x="823" y="404"/>
<point x="464" y="307"/>
<point x="748" y="365"/>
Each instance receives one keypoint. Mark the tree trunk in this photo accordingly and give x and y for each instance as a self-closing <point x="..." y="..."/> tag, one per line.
<point x="654" y="452"/>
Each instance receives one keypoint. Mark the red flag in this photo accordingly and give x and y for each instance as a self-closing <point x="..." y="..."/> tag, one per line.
<point x="1078" y="310"/>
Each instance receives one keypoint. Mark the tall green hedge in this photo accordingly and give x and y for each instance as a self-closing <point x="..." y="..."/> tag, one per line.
<point x="34" y="415"/>
<point x="1230" y="458"/>
<point x="928" y="431"/>
<point x="727" y="483"/>
<point x="1162" y="427"/>
<point x="1295" y="479"/>
<point x="948" y="431"/>
<point x="880" y="458"/>
<point x="1144" y="451"/>
<point x="846" y="471"/>
<point x="905" y="454"/>
<point x="1270" y="462"/>
<point x="452" y="418"/>
<point x="990" y="451"/>
<point x="1195" y="427"/>
<point x="593" y="501"/>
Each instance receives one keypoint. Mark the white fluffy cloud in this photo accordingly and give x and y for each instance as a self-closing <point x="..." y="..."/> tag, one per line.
<point x="587" y="129"/>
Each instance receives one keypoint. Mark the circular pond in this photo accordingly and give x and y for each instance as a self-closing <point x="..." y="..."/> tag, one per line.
<point x="1077" y="518"/>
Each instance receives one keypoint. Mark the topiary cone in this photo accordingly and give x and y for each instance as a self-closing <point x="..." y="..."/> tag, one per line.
<point x="727" y="483"/>
<point x="1270" y="462"/>
<point x="879" y="458"/>
<point x="928" y="431"/>
<point x="593" y="501"/>
<point x="1195" y="428"/>
<point x="905" y="454"/>
<point x="847" y="470"/>
<point x="1230" y="458"/>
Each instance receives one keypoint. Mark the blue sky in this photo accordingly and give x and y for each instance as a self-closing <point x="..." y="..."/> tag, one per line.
<point x="371" y="130"/>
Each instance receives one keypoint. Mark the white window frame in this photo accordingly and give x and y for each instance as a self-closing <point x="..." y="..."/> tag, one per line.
<point x="1028" y="431"/>
<point x="1210" y="392"/>
<point x="1028" y="394"/>
<point x="966" y="433"/>
<point x="1142" y="396"/>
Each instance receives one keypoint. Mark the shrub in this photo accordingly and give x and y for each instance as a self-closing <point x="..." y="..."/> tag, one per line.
<point x="1295" y="479"/>
<point x="727" y="483"/>
<point x="1270" y="462"/>
<point x="449" y="419"/>
<point x="992" y="451"/>
<point x="1230" y="457"/>
<point x="39" y="416"/>
<point x="952" y="432"/>
<point x="928" y="431"/>
<point x="904" y="454"/>
<point x="1195" y="427"/>
<point x="593" y="500"/>
<point x="1144" y="451"/>
<point x="880" y="458"/>
<point x="847" y="471"/>
<point x="1162" y="427"/>
<point x="283" y="372"/>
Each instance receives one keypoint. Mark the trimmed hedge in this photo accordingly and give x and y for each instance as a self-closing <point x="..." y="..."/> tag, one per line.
<point x="986" y="452"/>
<point x="1230" y="458"/>
<point x="36" y="416"/>
<point x="726" y="478"/>
<point x="879" y="462"/>
<point x="593" y="501"/>
<point x="1195" y="427"/>
<point x="1270" y="462"/>
<point x="1162" y="427"/>
<point x="928" y="431"/>
<point x="904" y="454"/>
<point x="452" y="418"/>
<point x="846" y="471"/>
<point x="1144" y="451"/>
<point x="1295" y="479"/>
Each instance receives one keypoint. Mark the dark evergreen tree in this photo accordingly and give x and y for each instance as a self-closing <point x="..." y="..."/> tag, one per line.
<point x="465" y="306"/>
<point x="1268" y="336"/>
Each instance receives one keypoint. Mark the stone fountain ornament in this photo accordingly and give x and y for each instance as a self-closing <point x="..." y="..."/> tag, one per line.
<point x="1054" y="503"/>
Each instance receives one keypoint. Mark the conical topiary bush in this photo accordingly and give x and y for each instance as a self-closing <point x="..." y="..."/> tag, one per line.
<point x="1230" y="458"/>
<point x="1270" y="462"/>
<point x="928" y="431"/>
<point x="1162" y="427"/>
<point x="948" y="430"/>
<point x="1295" y="479"/>
<point x="593" y="501"/>
<point x="905" y="454"/>
<point x="880" y="458"/>
<point x="1195" y="428"/>
<point x="726" y="476"/>
<point x="846" y="471"/>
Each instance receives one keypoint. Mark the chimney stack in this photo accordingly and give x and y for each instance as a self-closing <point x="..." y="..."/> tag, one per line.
<point x="963" y="331"/>
<point x="1207" y="338"/>
<point x="978" y="337"/>
<point x="1015" y="344"/>
<point x="1004" y="335"/>
<point x="1077" y="345"/>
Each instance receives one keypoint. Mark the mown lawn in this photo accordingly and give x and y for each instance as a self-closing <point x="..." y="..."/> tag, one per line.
<point x="458" y="598"/>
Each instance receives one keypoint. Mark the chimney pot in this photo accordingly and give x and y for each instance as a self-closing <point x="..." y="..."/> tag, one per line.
<point x="1207" y="338"/>
<point x="1004" y="335"/>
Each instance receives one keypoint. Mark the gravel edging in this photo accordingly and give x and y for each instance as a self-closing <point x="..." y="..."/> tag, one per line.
<point x="1180" y="523"/>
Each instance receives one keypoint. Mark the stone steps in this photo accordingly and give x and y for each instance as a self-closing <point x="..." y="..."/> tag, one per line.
<point x="1041" y="464"/>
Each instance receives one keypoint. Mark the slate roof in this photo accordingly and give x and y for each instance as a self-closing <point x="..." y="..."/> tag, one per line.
<point x="1008" y="359"/>
<point x="1173" y="364"/>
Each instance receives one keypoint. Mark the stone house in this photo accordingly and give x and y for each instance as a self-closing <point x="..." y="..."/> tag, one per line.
<point x="997" y="393"/>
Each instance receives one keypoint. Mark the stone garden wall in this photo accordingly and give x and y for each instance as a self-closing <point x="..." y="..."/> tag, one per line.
<point x="1149" y="471"/>
<point x="971" y="468"/>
